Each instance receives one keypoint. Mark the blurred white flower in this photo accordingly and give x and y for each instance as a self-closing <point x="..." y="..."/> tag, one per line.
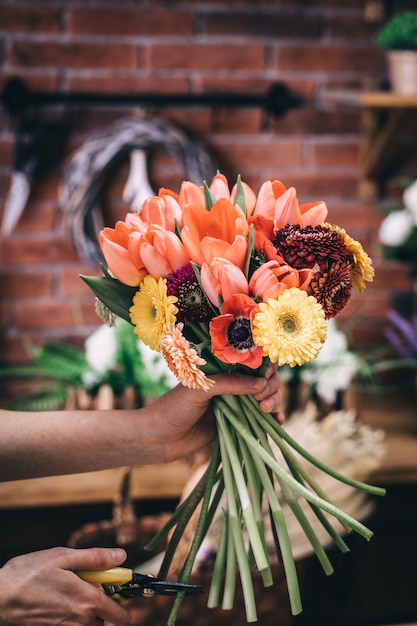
<point x="410" y="200"/>
<point x="101" y="349"/>
<point x="334" y="367"/>
<point x="396" y="228"/>
<point x="156" y="365"/>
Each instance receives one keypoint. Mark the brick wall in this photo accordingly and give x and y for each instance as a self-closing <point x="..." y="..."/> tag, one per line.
<point x="317" y="48"/>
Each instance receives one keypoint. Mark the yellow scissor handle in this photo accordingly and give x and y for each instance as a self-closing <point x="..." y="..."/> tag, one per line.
<point x="113" y="576"/>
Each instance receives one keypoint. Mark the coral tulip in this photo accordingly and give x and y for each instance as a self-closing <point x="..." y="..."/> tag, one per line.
<point x="270" y="280"/>
<point x="163" y="210"/>
<point x="221" y="278"/>
<point x="280" y="205"/>
<point x="114" y="243"/>
<point x="162" y="252"/>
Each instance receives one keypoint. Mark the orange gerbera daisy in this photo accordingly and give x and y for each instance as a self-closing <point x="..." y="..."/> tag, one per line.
<point x="183" y="360"/>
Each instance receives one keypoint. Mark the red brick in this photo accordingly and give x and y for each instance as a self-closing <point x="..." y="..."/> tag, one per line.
<point x="48" y="313"/>
<point x="33" y="80"/>
<point x="269" y="153"/>
<point x="30" y="19"/>
<point x="194" y="120"/>
<point x="25" y="284"/>
<point x="349" y="215"/>
<point x="13" y="350"/>
<point x="263" y="23"/>
<point x="337" y="152"/>
<point x="130" y="22"/>
<point x="207" y="56"/>
<point x="234" y="120"/>
<point x="306" y="121"/>
<point x="352" y="27"/>
<point x="305" y="88"/>
<point x="26" y="251"/>
<point x="73" y="55"/>
<point x="324" y="185"/>
<point x="5" y="316"/>
<point x="127" y="83"/>
<point x="36" y="217"/>
<point x="70" y="282"/>
<point x="329" y="58"/>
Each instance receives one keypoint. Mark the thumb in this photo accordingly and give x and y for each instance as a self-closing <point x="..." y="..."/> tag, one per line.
<point x="94" y="558"/>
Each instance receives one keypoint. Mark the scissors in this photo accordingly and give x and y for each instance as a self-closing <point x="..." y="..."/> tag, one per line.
<point x="121" y="583"/>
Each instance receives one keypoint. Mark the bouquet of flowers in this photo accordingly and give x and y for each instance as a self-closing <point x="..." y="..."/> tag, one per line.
<point x="215" y="279"/>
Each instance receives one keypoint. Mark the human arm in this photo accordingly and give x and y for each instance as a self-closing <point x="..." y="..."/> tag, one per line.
<point x="179" y="423"/>
<point x="42" y="589"/>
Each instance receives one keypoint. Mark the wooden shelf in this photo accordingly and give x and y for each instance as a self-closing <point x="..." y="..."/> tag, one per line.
<point x="385" y="115"/>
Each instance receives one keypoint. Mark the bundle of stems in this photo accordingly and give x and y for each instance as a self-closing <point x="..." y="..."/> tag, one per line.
<point x="244" y="467"/>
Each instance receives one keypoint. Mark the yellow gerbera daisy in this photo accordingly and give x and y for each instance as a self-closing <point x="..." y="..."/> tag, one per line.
<point x="183" y="360"/>
<point x="362" y="269"/>
<point x="291" y="328"/>
<point x="153" y="311"/>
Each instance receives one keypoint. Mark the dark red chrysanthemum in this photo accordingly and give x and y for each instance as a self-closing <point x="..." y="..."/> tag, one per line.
<point x="332" y="289"/>
<point x="310" y="246"/>
<point x="192" y="304"/>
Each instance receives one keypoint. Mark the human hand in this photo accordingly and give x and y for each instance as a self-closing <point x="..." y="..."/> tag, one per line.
<point x="184" y="416"/>
<point x="41" y="589"/>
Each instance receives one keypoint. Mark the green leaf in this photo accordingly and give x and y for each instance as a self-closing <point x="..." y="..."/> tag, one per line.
<point x="115" y="295"/>
<point x="240" y="196"/>
<point x="44" y="399"/>
<point x="251" y="247"/>
<point x="210" y="199"/>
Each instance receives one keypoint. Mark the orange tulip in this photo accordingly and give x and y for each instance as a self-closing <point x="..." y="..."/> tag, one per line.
<point x="272" y="278"/>
<point x="220" y="232"/>
<point x="161" y="251"/>
<point x="114" y="243"/>
<point x="163" y="210"/>
<point x="190" y="193"/>
<point x="231" y="333"/>
<point x="219" y="187"/>
<point x="119" y="263"/>
<point x="222" y="278"/>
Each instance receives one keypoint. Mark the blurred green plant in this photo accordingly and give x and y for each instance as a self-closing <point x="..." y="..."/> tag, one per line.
<point x="399" y="33"/>
<point x="112" y="356"/>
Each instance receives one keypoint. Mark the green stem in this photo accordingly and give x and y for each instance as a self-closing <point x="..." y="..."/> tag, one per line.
<point x="236" y="530"/>
<point x="277" y="469"/>
<point x="283" y="538"/>
<point x="219" y="567"/>
<point x="199" y="533"/>
<point x="294" y="505"/>
<point x="256" y="493"/>
<point x="230" y="575"/>
<point x="379" y="491"/>
<point x="247" y="507"/>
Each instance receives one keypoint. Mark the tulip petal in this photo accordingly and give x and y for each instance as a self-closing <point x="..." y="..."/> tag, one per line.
<point x="120" y="264"/>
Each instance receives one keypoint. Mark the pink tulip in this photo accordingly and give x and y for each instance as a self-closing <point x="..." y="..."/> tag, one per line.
<point x="222" y="278"/>
<point x="163" y="210"/>
<point x="162" y="252"/>
<point x="280" y="205"/>
<point x="272" y="278"/>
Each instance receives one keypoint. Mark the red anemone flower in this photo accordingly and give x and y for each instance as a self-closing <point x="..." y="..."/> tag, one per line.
<point x="231" y="333"/>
